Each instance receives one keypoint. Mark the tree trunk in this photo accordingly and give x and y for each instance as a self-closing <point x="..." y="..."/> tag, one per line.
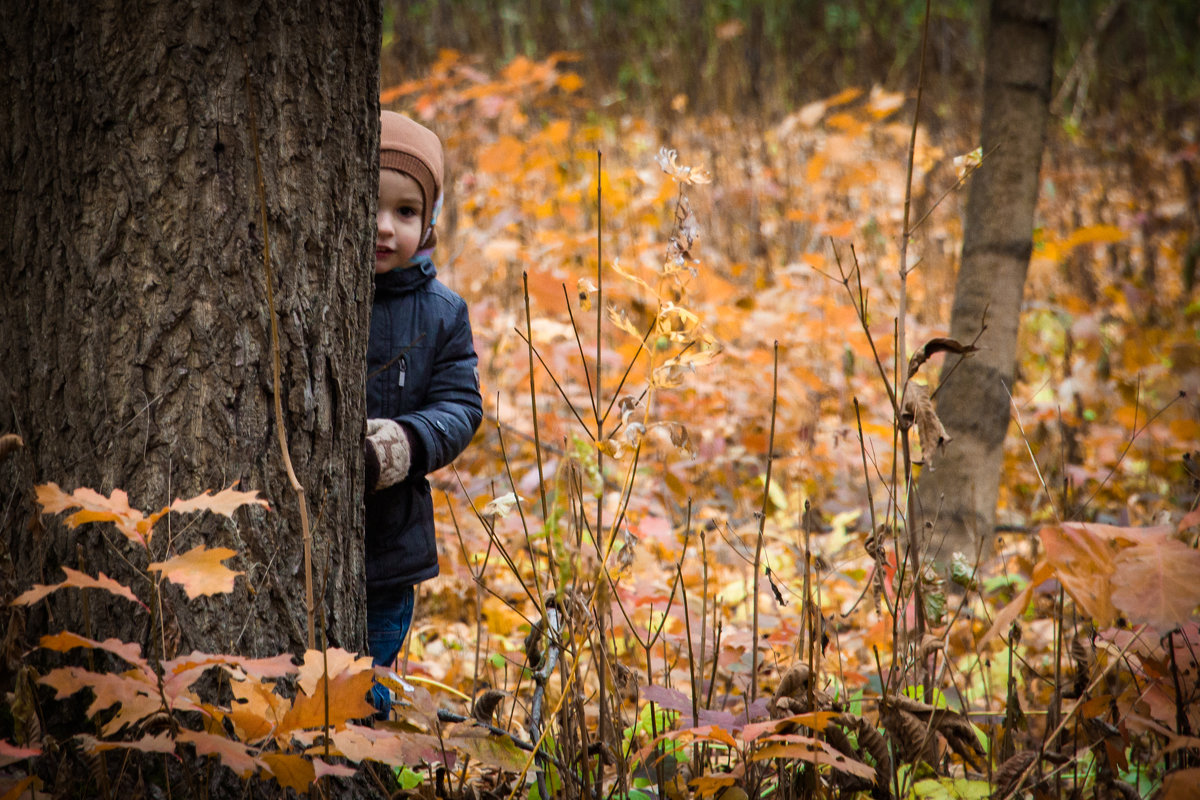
<point x="135" y="350"/>
<point x="959" y="495"/>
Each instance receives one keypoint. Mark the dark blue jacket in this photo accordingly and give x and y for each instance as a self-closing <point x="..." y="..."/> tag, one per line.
<point x="421" y="372"/>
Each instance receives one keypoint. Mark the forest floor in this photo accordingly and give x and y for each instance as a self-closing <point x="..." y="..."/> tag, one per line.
<point x="732" y="252"/>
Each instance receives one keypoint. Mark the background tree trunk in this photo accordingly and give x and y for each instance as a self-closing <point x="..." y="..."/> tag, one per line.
<point x="960" y="493"/>
<point x="134" y="343"/>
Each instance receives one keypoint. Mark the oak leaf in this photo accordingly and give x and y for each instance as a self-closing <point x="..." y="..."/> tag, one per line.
<point x="134" y="691"/>
<point x="235" y="755"/>
<point x="335" y="661"/>
<point x="95" y="507"/>
<point x="359" y="743"/>
<point x="162" y="743"/>
<point x="224" y="502"/>
<point x="291" y="770"/>
<point x="321" y="769"/>
<point x="347" y="693"/>
<point x="256" y="710"/>
<point x="199" y="571"/>
<point x="65" y="640"/>
<point x="78" y="580"/>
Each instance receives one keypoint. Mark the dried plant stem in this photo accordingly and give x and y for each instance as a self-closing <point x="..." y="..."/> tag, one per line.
<point x="297" y="487"/>
<point x="762" y="521"/>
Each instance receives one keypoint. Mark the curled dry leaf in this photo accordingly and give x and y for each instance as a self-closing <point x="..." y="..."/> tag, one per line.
<point x="918" y="408"/>
<point x="486" y="704"/>
<point x="935" y="346"/>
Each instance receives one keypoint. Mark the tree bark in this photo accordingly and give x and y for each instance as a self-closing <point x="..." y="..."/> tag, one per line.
<point x="135" y="350"/>
<point x="959" y="494"/>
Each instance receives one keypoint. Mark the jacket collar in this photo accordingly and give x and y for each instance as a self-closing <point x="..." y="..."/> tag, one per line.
<point x="406" y="279"/>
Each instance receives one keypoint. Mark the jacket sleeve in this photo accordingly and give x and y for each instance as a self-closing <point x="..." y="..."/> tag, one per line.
<point x="453" y="408"/>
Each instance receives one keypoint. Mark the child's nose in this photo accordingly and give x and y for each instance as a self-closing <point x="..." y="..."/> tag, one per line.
<point x="383" y="223"/>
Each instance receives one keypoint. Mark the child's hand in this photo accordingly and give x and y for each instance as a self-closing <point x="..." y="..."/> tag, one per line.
<point x="387" y="453"/>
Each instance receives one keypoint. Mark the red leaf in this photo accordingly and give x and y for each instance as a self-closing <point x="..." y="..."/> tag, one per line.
<point x="1157" y="583"/>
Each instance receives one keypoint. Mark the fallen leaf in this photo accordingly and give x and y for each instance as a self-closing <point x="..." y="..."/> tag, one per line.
<point x="487" y="747"/>
<point x="1157" y="583"/>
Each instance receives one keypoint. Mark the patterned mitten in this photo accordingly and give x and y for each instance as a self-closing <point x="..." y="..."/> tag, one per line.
<point x="390" y="451"/>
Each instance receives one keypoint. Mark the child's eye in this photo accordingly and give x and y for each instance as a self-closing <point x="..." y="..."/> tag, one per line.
<point x="408" y="211"/>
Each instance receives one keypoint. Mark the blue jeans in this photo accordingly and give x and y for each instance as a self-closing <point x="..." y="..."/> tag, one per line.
<point x="388" y="620"/>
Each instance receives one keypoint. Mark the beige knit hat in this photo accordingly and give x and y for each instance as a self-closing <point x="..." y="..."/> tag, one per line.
<point x="409" y="147"/>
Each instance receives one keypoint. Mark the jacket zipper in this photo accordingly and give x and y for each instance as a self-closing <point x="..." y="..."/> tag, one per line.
<point x="403" y="371"/>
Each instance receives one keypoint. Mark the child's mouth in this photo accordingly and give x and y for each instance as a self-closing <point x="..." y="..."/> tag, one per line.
<point x="382" y="253"/>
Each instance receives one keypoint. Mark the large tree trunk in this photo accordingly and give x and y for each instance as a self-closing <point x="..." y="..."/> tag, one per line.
<point x="135" y="350"/>
<point x="973" y="402"/>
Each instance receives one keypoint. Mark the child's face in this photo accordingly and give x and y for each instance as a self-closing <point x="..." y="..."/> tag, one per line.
<point x="398" y="221"/>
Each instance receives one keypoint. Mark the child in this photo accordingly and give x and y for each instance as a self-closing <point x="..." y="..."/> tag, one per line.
<point x="423" y="401"/>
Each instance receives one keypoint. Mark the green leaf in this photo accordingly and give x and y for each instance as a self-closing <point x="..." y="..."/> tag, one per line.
<point x="951" y="789"/>
<point x="408" y="778"/>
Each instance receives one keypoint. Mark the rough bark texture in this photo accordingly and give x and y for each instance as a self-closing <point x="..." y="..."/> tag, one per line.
<point x="960" y="494"/>
<point x="134" y="337"/>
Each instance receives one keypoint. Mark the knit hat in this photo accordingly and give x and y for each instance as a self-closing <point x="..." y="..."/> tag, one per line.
<point x="411" y="148"/>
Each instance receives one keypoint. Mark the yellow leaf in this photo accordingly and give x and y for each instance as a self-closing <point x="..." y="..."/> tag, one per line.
<point x="1093" y="234"/>
<point x="199" y="571"/>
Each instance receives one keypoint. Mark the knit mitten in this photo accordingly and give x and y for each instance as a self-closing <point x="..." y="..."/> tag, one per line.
<point x="387" y="453"/>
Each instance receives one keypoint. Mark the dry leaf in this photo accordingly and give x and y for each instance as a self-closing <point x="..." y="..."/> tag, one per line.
<point x="64" y="641"/>
<point x="490" y="748"/>
<point x="199" y="571"/>
<point x="235" y="755"/>
<point x="335" y="661"/>
<point x="918" y="407"/>
<point x="935" y="346"/>
<point x="291" y="770"/>
<point x="78" y="580"/>
<point x="1157" y="583"/>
